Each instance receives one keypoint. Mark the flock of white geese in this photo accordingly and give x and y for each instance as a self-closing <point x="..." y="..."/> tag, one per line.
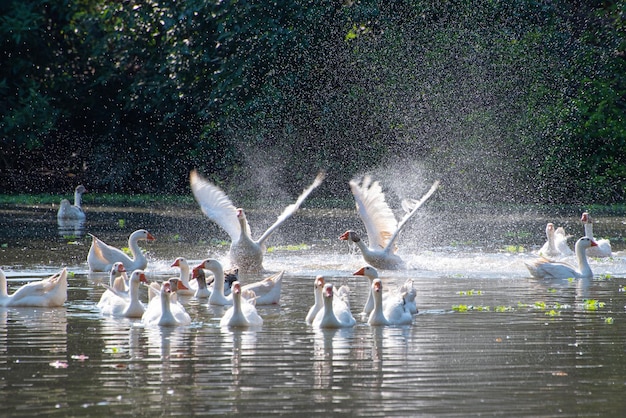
<point x="331" y="305"/>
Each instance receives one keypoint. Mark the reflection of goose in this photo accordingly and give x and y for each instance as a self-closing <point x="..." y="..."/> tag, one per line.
<point x="406" y="291"/>
<point x="245" y="253"/>
<point x="319" y="303"/>
<point x="163" y="311"/>
<point x="117" y="284"/>
<point x="336" y="312"/>
<point x="50" y="292"/>
<point x="102" y="256"/>
<point x="380" y="223"/>
<point x="127" y="306"/>
<point x="391" y="311"/>
<point x="547" y="269"/>
<point x="556" y="244"/>
<point x="243" y="312"/>
<point x="68" y="211"/>
<point x="267" y="291"/>
<point x="190" y="289"/>
<point x="604" y="245"/>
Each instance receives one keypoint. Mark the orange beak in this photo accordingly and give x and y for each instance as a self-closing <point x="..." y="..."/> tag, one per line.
<point x="142" y="278"/>
<point x="345" y="236"/>
<point x="150" y="237"/>
<point x="176" y="263"/>
<point x="359" y="272"/>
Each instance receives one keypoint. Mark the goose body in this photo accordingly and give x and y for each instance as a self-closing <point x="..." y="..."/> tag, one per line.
<point x="118" y="285"/>
<point x="380" y="223"/>
<point x="162" y="311"/>
<point x="544" y="268"/>
<point x="390" y="311"/>
<point x="102" y="256"/>
<point x="242" y="313"/>
<point x="245" y="253"/>
<point x="74" y="212"/>
<point x="406" y="291"/>
<point x="267" y="291"/>
<point x="49" y="292"/>
<point x="336" y="310"/>
<point x="556" y="243"/>
<point x="184" y="276"/>
<point x="603" y="249"/>
<point x="127" y="306"/>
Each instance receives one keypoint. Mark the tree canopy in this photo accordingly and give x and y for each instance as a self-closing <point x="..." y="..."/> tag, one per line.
<point x="504" y="101"/>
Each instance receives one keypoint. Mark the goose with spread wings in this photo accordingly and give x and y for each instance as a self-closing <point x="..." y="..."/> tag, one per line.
<point x="246" y="253"/>
<point x="380" y="223"/>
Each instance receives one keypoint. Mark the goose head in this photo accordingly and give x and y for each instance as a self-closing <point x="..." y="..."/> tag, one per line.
<point x="367" y="271"/>
<point x="350" y="235"/>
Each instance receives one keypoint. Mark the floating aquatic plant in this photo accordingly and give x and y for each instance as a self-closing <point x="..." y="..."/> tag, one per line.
<point x="592" y="305"/>
<point x="552" y="312"/>
<point x="609" y="320"/>
<point x="297" y="247"/>
<point x="514" y="249"/>
<point x="502" y="308"/>
<point x="121" y="223"/>
<point x="471" y="292"/>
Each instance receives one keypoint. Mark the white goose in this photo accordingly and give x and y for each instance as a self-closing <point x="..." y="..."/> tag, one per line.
<point x="547" y="269"/>
<point x="267" y="291"/>
<point x="604" y="245"/>
<point x="67" y="211"/>
<point x="118" y="285"/>
<point x="318" y="285"/>
<point x="202" y="291"/>
<point x="391" y="311"/>
<point x="49" y="292"/>
<point x="556" y="244"/>
<point x="102" y="256"/>
<point x="127" y="306"/>
<point x="406" y="291"/>
<point x="190" y="288"/>
<point x="163" y="312"/>
<point x="164" y="308"/>
<point x="336" y="312"/>
<point x="245" y="253"/>
<point x="380" y="223"/>
<point x="243" y="313"/>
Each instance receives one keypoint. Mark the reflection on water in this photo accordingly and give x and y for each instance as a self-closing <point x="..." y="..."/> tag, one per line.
<point x="487" y="339"/>
<point x="71" y="227"/>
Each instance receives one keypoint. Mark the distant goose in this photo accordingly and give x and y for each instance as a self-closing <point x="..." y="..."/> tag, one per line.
<point x="245" y="252"/>
<point x="380" y="223"/>
<point x="604" y="245"/>
<point x="67" y="211"/>
<point x="556" y="244"/>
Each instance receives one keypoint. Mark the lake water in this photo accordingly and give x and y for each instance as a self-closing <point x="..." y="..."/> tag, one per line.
<point x="488" y="340"/>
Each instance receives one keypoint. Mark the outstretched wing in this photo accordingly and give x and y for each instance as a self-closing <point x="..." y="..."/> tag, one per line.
<point x="413" y="206"/>
<point x="291" y="209"/>
<point x="380" y="222"/>
<point x="215" y="204"/>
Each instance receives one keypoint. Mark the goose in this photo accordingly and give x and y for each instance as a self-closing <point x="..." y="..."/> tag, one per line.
<point x="380" y="223"/>
<point x="118" y="285"/>
<point x="556" y="244"/>
<point x="102" y="256"/>
<point x="163" y="312"/>
<point x="547" y="269"/>
<point x="46" y="293"/>
<point x="189" y="288"/>
<point x="604" y="245"/>
<point x="202" y="290"/>
<point x="406" y="291"/>
<point x="390" y="311"/>
<point x="243" y="313"/>
<point x="164" y="308"/>
<point x="127" y="306"/>
<point x="318" y="285"/>
<point x="245" y="252"/>
<point x="267" y="291"/>
<point x="335" y="312"/>
<point x="67" y="211"/>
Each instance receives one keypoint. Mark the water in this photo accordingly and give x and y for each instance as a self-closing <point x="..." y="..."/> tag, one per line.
<point x="488" y="339"/>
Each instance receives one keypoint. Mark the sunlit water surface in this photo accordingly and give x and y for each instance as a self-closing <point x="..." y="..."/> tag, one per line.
<point x="488" y="339"/>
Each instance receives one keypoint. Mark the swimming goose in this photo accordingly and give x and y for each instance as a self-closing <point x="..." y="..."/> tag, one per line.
<point x="49" y="292"/>
<point x="102" y="256"/>
<point x="67" y="211"/>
